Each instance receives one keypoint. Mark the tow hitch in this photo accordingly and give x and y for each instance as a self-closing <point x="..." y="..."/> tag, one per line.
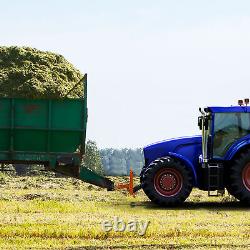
<point x="91" y="177"/>
<point x="129" y="186"/>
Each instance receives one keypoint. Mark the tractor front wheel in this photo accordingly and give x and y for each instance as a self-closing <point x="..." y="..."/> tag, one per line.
<point x="167" y="182"/>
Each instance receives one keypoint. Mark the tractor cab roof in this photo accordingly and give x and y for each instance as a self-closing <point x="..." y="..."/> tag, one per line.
<point x="232" y="109"/>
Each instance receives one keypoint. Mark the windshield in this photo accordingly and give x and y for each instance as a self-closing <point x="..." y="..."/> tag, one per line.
<point x="228" y="128"/>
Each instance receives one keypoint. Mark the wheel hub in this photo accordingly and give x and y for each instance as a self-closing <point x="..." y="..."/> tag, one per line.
<point x="168" y="182"/>
<point x="246" y="176"/>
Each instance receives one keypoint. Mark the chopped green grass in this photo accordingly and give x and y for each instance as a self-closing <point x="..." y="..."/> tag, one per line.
<point x="61" y="213"/>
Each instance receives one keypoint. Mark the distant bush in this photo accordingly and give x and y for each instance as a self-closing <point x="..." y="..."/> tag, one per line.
<point x="31" y="73"/>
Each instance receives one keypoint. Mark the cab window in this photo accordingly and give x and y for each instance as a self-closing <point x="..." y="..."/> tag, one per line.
<point x="228" y="128"/>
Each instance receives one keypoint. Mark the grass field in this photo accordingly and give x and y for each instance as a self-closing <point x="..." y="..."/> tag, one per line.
<point x="63" y="213"/>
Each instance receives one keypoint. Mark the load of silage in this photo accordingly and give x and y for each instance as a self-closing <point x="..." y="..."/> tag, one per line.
<point x="31" y="73"/>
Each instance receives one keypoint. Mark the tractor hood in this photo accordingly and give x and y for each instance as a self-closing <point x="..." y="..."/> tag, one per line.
<point x="187" y="147"/>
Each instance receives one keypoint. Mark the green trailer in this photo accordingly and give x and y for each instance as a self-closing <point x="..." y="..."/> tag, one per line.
<point x="50" y="132"/>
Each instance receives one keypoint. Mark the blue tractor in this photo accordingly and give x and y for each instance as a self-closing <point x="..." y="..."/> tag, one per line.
<point x="218" y="159"/>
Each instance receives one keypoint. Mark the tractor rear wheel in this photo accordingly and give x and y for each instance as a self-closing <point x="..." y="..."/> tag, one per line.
<point x="167" y="182"/>
<point x="238" y="183"/>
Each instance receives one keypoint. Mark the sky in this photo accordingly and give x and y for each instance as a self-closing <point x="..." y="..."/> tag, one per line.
<point x="150" y="64"/>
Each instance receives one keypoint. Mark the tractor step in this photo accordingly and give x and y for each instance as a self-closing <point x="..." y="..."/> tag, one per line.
<point x="215" y="175"/>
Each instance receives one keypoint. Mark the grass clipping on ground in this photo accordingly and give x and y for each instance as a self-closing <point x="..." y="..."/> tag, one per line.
<point x="31" y="73"/>
<point x="64" y="213"/>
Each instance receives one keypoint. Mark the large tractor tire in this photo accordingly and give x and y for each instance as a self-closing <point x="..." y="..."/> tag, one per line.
<point x="142" y="173"/>
<point x="167" y="182"/>
<point x="238" y="183"/>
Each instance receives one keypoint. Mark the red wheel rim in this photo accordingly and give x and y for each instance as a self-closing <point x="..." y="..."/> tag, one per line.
<point x="168" y="182"/>
<point x="246" y="176"/>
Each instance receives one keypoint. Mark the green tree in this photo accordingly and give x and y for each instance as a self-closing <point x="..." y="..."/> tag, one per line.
<point x="92" y="158"/>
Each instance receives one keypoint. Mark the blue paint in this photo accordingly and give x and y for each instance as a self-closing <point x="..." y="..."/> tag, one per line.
<point x="187" y="149"/>
<point x="238" y="145"/>
<point x="233" y="109"/>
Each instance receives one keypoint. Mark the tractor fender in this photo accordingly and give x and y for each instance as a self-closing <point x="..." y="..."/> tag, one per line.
<point x="187" y="163"/>
<point x="236" y="147"/>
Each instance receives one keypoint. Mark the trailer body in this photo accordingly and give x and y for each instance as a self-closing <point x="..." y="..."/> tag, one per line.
<point x="51" y="132"/>
<point x="42" y="130"/>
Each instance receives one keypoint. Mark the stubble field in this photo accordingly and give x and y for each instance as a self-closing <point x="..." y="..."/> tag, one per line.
<point x="62" y="213"/>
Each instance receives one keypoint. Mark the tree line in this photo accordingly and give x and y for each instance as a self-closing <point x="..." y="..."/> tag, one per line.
<point x="117" y="162"/>
<point x="111" y="161"/>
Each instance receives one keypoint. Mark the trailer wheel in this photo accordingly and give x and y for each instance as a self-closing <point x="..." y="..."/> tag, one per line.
<point x="238" y="183"/>
<point x="167" y="182"/>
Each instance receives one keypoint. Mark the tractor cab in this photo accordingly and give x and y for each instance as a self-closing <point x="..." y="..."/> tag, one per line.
<point x="225" y="134"/>
<point x="224" y="131"/>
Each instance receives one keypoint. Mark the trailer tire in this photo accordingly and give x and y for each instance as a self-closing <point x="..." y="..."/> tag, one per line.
<point x="238" y="183"/>
<point x="167" y="182"/>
